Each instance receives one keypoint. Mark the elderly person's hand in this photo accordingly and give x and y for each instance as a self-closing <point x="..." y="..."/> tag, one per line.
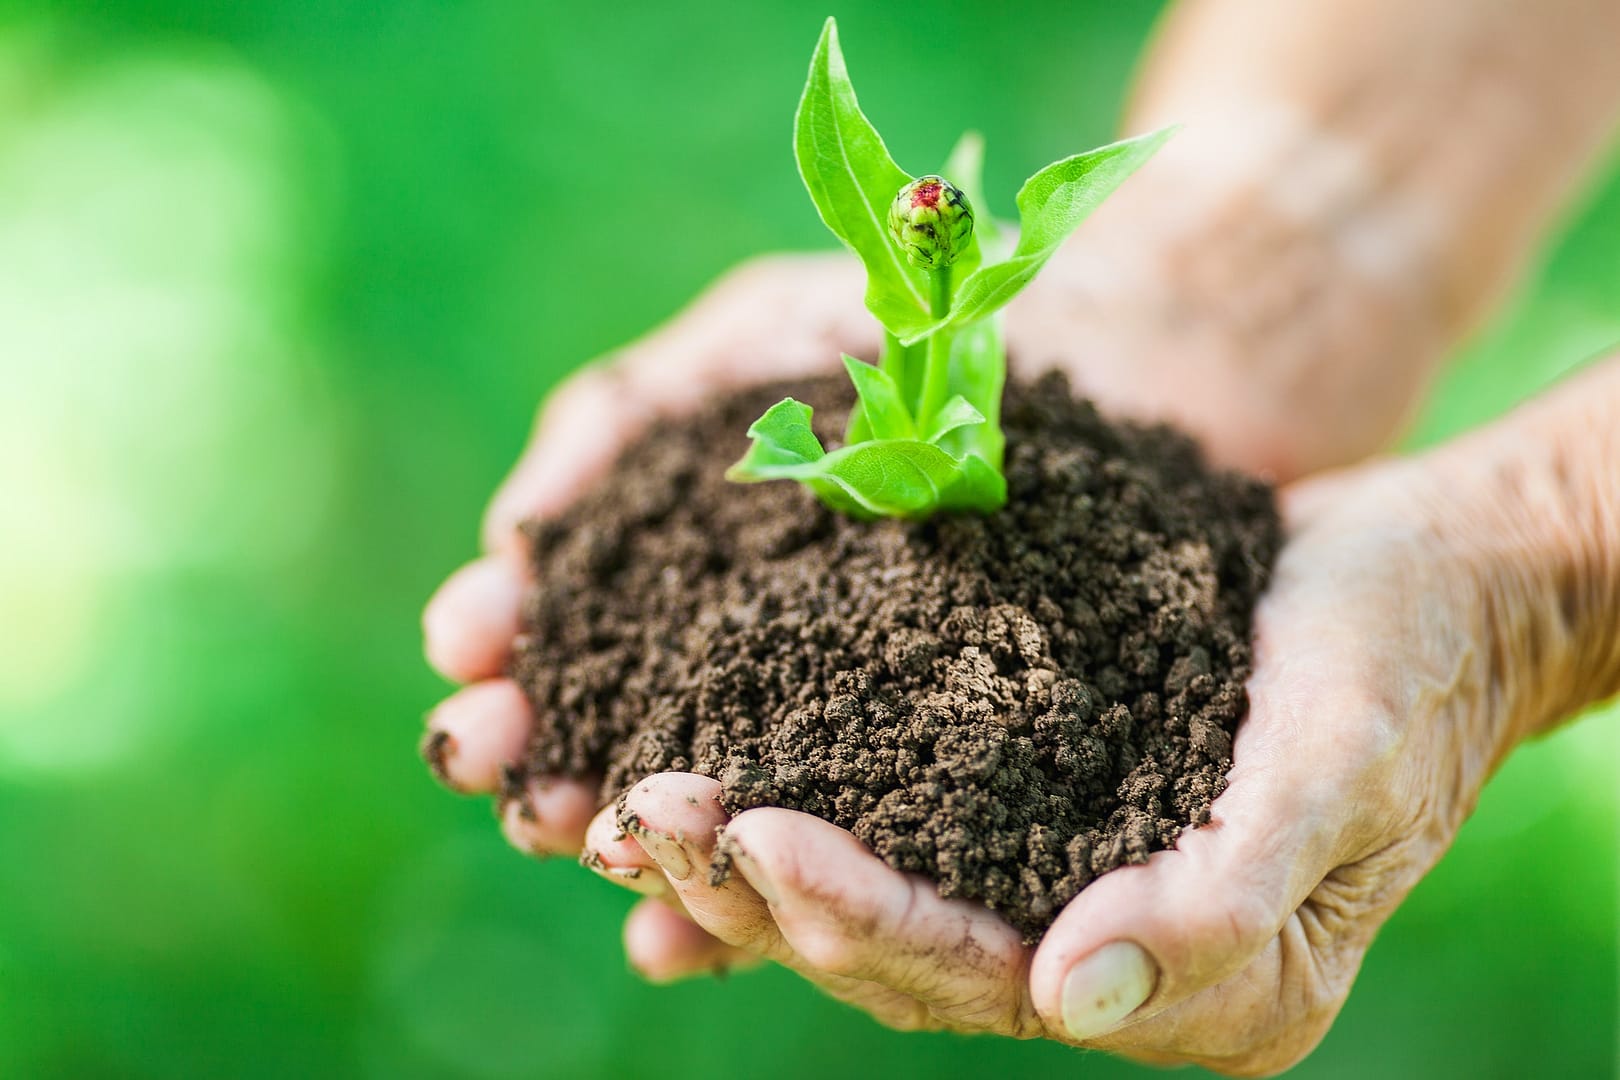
<point x="788" y="316"/>
<point x="774" y="318"/>
<point x="1282" y="282"/>
<point x="1426" y="615"/>
<point x="1154" y="320"/>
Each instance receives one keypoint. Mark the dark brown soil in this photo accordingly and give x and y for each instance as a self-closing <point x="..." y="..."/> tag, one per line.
<point x="1011" y="705"/>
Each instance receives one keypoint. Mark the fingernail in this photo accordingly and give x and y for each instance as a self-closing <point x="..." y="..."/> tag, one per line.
<point x="667" y="851"/>
<point x="519" y="822"/>
<point x="1103" y="989"/>
<point x="729" y="854"/>
<point x="635" y="878"/>
<point x="436" y="748"/>
<point x="515" y="790"/>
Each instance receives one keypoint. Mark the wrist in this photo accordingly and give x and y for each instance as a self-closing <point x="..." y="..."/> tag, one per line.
<point x="1303" y="341"/>
<point x="1243" y="162"/>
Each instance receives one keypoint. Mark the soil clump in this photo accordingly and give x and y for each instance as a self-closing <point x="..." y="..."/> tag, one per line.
<point x="1011" y="705"/>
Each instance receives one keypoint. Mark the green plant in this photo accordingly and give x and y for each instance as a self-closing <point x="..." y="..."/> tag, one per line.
<point x="925" y="434"/>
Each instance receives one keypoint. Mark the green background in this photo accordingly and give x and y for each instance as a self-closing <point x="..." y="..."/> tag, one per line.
<point x="280" y="286"/>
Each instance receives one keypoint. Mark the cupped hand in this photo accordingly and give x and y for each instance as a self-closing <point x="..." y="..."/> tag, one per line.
<point x="786" y="317"/>
<point x="775" y="318"/>
<point x="1371" y="729"/>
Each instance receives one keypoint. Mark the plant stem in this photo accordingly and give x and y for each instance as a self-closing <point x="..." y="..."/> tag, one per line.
<point x="939" y="303"/>
<point x="893" y="358"/>
<point x="936" y="373"/>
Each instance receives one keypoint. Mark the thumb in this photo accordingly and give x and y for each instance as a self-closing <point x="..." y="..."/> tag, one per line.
<point x="1143" y="938"/>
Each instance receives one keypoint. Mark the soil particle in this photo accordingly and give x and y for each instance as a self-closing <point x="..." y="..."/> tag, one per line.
<point x="1011" y="705"/>
<point x="436" y="748"/>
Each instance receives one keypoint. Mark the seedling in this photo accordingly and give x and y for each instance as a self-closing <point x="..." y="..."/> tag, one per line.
<point x="925" y="434"/>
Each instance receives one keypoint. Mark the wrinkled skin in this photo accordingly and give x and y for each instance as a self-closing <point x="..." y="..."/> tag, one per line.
<point x="1382" y="698"/>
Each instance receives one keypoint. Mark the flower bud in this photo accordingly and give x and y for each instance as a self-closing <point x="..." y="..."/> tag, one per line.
<point x="932" y="221"/>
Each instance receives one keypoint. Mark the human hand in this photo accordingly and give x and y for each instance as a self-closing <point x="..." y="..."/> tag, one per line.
<point x="1384" y="693"/>
<point x="773" y="318"/>
<point x="776" y="318"/>
<point x="1253" y="927"/>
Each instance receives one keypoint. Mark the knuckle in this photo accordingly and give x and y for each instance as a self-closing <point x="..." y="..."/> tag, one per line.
<point x="1349" y="904"/>
<point x="741" y="929"/>
<point x="990" y="1008"/>
<point x="1375" y="734"/>
<point x="1311" y="989"/>
<point x="1362" y="735"/>
<point x="894" y="1011"/>
<point x="910" y="1017"/>
<point x="1230" y="932"/>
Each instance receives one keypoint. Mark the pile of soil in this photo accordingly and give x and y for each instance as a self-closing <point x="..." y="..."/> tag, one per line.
<point x="1011" y="705"/>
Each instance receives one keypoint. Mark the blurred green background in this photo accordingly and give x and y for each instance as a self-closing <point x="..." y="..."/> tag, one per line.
<point x="280" y="286"/>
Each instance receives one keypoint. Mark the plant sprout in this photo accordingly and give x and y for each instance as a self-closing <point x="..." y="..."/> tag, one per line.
<point x="925" y="433"/>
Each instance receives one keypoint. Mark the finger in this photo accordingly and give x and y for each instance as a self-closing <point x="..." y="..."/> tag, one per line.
<point x="582" y="426"/>
<point x="663" y="945"/>
<point x="776" y="317"/>
<point x="661" y="940"/>
<point x="1143" y="938"/>
<point x="547" y="815"/>
<point x="1273" y="1012"/>
<point x="469" y="624"/>
<point x="674" y="816"/>
<point x="1244" y="1025"/>
<point x="611" y="853"/>
<point x="475" y="734"/>
<point x="845" y="911"/>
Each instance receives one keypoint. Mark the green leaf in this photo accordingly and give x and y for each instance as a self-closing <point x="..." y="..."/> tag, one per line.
<point x="852" y="179"/>
<point x="978" y="371"/>
<point x="906" y="365"/>
<point x="948" y="388"/>
<point x="881" y="408"/>
<point x="785" y="448"/>
<point x="886" y="477"/>
<point x="955" y="413"/>
<point x="894" y="478"/>
<point x="857" y="430"/>
<point x="1051" y="205"/>
<point x="782" y="437"/>
<point x="965" y="169"/>
<point x="978" y="486"/>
